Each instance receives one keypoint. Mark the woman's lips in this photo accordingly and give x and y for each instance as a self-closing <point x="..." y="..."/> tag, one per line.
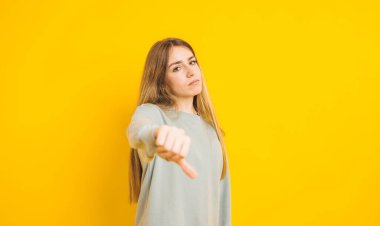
<point x="194" y="82"/>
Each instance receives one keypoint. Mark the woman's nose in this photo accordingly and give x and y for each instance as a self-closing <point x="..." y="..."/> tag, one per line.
<point x="190" y="72"/>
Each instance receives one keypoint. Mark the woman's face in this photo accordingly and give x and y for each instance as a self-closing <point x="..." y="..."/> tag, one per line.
<point x="182" y="69"/>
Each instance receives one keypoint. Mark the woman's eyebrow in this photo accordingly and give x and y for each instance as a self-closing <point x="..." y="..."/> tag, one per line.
<point x="177" y="62"/>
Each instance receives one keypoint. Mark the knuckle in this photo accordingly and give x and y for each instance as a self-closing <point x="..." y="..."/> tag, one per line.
<point x="164" y="127"/>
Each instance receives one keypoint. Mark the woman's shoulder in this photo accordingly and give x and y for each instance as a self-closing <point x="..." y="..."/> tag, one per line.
<point x="156" y="109"/>
<point x="148" y="107"/>
<point x="148" y="111"/>
<point x="153" y="107"/>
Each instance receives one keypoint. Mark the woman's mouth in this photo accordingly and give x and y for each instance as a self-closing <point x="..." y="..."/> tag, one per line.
<point x="196" y="81"/>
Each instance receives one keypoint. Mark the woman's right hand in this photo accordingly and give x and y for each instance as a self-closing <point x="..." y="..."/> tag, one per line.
<point x="173" y="145"/>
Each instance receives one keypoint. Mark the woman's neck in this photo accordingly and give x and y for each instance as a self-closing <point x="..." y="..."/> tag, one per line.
<point x="186" y="105"/>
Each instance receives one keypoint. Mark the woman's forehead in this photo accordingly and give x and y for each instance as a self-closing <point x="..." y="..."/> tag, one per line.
<point x="180" y="53"/>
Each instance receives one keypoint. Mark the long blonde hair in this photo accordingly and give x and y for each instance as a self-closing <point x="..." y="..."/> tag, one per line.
<point x="154" y="89"/>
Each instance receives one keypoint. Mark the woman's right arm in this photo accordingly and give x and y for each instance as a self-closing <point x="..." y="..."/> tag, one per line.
<point x="147" y="131"/>
<point x="140" y="132"/>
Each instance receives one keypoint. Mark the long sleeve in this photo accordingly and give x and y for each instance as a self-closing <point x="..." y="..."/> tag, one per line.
<point x="140" y="132"/>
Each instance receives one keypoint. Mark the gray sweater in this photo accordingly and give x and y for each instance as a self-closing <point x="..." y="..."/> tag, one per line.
<point x="168" y="197"/>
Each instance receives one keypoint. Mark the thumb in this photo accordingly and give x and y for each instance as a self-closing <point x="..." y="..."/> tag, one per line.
<point x="187" y="168"/>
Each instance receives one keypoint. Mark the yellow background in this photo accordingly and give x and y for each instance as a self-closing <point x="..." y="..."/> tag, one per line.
<point x="295" y="85"/>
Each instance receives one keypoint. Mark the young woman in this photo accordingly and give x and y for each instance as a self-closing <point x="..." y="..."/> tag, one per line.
<point x="179" y="172"/>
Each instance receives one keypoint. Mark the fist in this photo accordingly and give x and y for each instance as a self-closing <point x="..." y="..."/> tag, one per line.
<point x="173" y="145"/>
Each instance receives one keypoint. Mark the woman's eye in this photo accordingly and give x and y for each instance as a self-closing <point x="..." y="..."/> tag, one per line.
<point x="174" y="70"/>
<point x="191" y="62"/>
<point x="194" y="61"/>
